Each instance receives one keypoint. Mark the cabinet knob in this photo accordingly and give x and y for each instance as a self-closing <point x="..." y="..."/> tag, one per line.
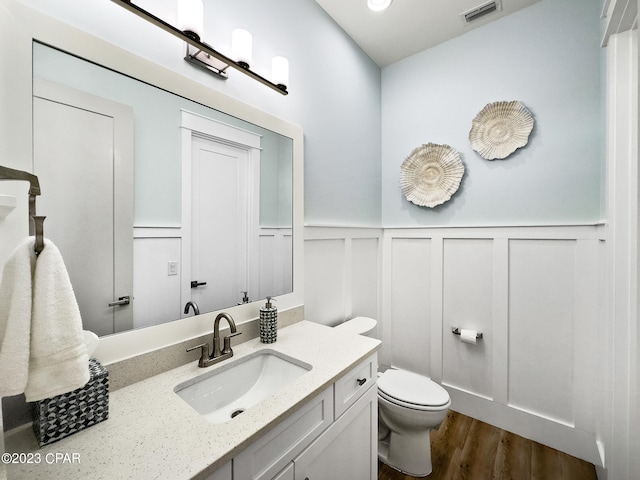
<point x="361" y="381"/>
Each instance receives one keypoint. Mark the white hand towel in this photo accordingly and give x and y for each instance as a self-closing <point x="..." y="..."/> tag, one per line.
<point x="58" y="360"/>
<point x="91" y="341"/>
<point x="15" y="319"/>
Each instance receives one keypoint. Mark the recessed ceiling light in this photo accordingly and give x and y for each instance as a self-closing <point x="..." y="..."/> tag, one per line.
<point x="378" y="5"/>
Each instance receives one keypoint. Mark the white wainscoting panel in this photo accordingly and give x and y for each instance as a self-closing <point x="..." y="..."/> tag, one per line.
<point x="411" y="271"/>
<point x="342" y="273"/>
<point x="326" y="259"/>
<point x="265" y="276"/>
<point x="160" y="297"/>
<point x="541" y="327"/>
<point x="365" y="277"/>
<point x="275" y="263"/>
<point x="534" y="292"/>
<point x="467" y="303"/>
<point x="156" y="293"/>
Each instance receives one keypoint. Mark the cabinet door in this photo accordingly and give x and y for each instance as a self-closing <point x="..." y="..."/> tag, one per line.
<point x="348" y="449"/>
<point x="268" y="455"/>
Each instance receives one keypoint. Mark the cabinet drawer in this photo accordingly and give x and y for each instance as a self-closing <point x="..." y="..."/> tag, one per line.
<point x="268" y="455"/>
<point x="354" y="383"/>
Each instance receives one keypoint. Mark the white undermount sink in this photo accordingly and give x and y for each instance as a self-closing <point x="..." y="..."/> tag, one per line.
<point x="240" y="384"/>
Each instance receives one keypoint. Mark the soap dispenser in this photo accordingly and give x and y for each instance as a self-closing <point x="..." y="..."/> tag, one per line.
<point x="268" y="322"/>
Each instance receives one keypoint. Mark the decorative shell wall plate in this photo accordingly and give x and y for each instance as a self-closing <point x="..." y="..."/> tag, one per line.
<point x="431" y="174"/>
<point x="500" y="129"/>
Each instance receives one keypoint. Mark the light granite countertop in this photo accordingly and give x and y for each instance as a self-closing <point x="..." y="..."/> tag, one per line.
<point x="153" y="433"/>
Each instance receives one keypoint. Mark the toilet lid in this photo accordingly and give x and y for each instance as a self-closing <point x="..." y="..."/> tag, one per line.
<point x="412" y="388"/>
<point x="358" y="325"/>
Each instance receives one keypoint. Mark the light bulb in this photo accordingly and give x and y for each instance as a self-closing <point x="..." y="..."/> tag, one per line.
<point x="191" y="16"/>
<point x="241" y="47"/>
<point x="378" y="5"/>
<point x="280" y="72"/>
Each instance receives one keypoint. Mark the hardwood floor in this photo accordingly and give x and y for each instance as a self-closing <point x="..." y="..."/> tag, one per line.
<point x="466" y="449"/>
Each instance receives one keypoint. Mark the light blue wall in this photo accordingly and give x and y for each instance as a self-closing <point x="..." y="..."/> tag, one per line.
<point x="334" y="87"/>
<point x="546" y="56"/>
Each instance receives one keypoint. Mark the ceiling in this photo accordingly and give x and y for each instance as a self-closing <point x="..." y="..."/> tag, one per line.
<point x="409" y="26"/>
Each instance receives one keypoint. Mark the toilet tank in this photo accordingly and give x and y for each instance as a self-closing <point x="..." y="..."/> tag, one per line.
<point x="359" y="325"/>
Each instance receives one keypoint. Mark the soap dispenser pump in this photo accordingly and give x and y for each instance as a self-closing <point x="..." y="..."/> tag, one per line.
<point x="268" y="322"/>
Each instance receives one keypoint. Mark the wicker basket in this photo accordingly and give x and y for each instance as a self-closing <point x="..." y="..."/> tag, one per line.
<point x="63" y="415"/>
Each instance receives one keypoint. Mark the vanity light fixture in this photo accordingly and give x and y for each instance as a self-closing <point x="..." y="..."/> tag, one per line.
<point x="378" y="5"/>
<point x="198" y="52"/>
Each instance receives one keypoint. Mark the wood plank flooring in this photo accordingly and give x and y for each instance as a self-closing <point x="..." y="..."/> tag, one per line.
<point x="466" y="449"/>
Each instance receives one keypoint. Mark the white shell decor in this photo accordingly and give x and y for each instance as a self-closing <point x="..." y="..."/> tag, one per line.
<point x="431" y="174"/>
<point x="499" y="129"/>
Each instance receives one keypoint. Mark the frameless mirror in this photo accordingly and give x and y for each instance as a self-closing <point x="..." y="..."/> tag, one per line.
<point x="156" y="200"/>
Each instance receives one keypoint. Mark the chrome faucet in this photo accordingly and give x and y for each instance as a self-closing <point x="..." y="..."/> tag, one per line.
<point x="218" y="355"/>
<point x="194" y="305"/>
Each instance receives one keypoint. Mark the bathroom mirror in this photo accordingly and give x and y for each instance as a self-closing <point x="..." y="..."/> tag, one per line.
<point x="231" y="246"/>
<point x="160" y="217"/>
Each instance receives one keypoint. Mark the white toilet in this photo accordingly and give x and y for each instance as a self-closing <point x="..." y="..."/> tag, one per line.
<point x="409" y="407"/>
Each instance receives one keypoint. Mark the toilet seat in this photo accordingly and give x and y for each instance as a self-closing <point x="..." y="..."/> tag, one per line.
<point x="413" y="391"/>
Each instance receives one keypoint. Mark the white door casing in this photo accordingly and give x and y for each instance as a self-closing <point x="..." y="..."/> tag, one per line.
<point x="83" y="154"/>
<point x="219" y="248"/>
<point x="220" y="185"/>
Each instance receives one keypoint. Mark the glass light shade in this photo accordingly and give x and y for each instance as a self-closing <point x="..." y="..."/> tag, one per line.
<point x="378" y="5"/>
<point x="280" y="71"/>
<point x="191" y="16"/>
<point x="241" y="47"/>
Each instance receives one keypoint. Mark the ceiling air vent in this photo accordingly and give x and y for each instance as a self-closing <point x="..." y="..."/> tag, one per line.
<point x="481" y="10"/>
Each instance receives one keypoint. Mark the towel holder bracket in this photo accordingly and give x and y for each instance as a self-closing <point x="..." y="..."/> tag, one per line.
<point x="36" y="222"/>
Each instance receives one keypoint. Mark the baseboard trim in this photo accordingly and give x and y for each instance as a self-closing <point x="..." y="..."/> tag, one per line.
<point x="567" y="439"/>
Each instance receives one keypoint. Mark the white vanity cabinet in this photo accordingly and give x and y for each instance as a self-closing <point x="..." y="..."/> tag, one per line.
<point x="323" y="425"/>
<point x="223" y="473"/>
<point x="334" y="435"/>
<point x="267" y="456"/>
<point x="346" y="450"/>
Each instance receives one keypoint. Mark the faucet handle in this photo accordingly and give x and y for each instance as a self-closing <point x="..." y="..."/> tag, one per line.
<point x="204" y="353"/>
<point x="227" y="343"/>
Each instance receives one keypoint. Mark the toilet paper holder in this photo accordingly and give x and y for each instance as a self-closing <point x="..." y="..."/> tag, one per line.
<point x="456" y="331"/>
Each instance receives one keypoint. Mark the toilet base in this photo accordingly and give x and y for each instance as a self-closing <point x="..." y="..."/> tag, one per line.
<point x="409" y="454"/>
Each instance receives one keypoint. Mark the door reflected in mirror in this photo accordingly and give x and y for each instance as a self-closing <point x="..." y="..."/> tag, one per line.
<point x="149" y="192"/>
